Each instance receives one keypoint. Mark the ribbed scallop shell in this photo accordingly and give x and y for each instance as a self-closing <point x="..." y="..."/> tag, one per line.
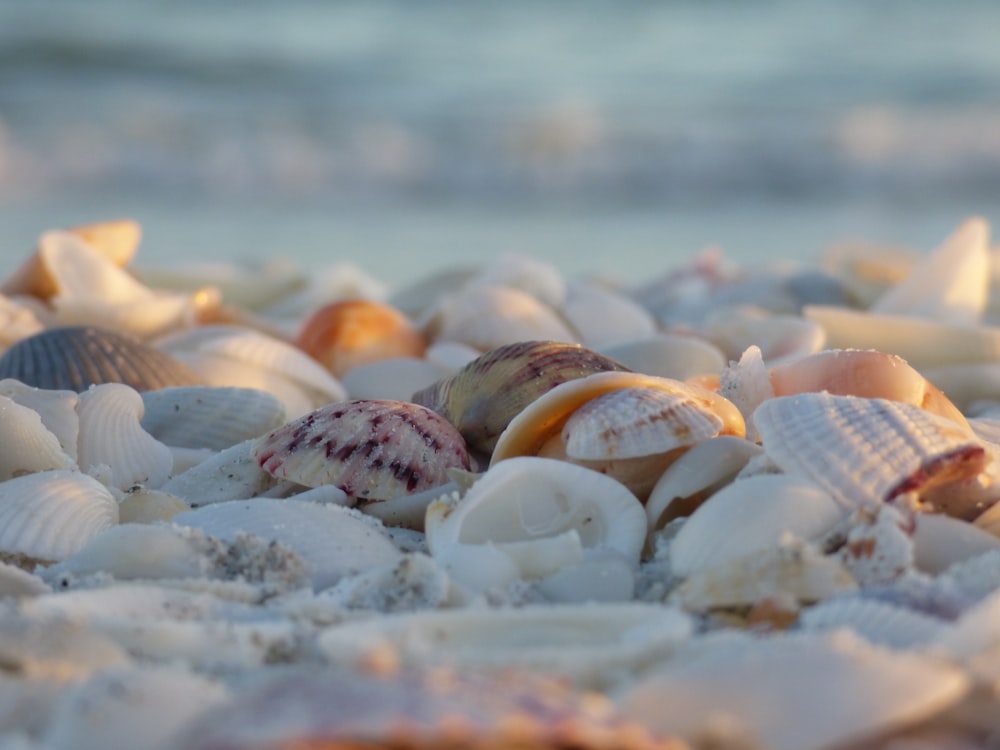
<point x="111" y="435"/>
<point x="77" y="357"/>
<point x="864" y="450"/>
<point x="482" y="397"/>
<point x="52" y="514"/>
<point x="374" y="449"/>
<point x="26" y="445"/>
<point x="210" y="417"/>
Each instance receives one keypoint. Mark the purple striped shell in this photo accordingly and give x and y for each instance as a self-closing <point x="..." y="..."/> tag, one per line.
<point x="375" y="449"/>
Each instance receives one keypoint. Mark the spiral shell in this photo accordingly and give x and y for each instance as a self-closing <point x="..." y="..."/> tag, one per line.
<point x="77" y="357"/>
<point x="376" y="449"/>
<point x="482" y="397"/>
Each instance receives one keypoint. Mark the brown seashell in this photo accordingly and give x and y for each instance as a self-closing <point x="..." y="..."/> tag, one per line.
<point x="348" y="333"/>
<point x="376" y="449"/>
<point x="77" y="357"/>
<point x="484" y="396"/>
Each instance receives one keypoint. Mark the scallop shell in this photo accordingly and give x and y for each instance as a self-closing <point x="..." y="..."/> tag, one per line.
<point x="591" y="645"/>
<point x="50" y="515"/>
<point x="801" y="691"/>
<point x="209" y="417"/>
<point x="866" y="450"/>
<point x="519" y="504"/>
<point x="345" y="334"/>
<point x="482" y="397"/>
<point x="240" y="357"/>
<point x="373" y="449"/>
<point x="112" y="436"/>
<point x="76" y="358"/>
<point x="26" y="445"/>
<point x="877" y="622"/>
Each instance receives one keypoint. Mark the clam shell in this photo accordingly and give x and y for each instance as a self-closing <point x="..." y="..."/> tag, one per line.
<point x="51" y="515"/>
<point x="209" y="417"/>
<point x="111" y="436"/>
<point x="600" y="315"/>
<point x="866" y="450"/>
<point x="75" y="358"/>
<point x="768" y="690"/>
<point x="591" y="645"/>
<point x="482" y="397"/>
<point x="667" y="355"/>
<point x="373" y="449"/>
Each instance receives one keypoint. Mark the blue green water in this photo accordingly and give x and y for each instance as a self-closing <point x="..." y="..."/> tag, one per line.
<point x="404" y="136"/>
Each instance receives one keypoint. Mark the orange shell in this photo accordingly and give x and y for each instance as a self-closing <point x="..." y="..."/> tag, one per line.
<point x="348" y="333"/>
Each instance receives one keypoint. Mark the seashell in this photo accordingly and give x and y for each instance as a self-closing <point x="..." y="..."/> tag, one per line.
<point x="940" y="541"/>
<point x="18" y="320"/>
<point x="526" y="500"/>
<point x="869" y="374"/>
<point x="209" y="417"/>
<point x="868" y="269"/>
<point x="967" y="383"/>
<point x="373" y="449"/>
<point x="26" y="445"/>
<point x="58" y="649"/>
<point x="747" y="383"/>
<point x="240" y="357"/>
<point x="951" y="284"/>
<point x="416" y="299"/>
<point x="752" y="515"/>
<point x="485" y="317"/>
<point x="667" y="355"/>
<point x="601" y="316"/>
<point x="864" y="693"/>
<point x="115" y="240"/>
<point x="866" y="450"/>
<point x="408" y="511"/>
<point x="333" y="541"/>
<point x="449" y="356"/>
<point x="792" y="568"/>
<point x="50" y="515"/>
<point x="434" y="709"/>
<point x="571" y="422"/>
<point x="56" y="408"/>
<point x="922" y="342"/>
<point x="695" y="476"/>
<point x="779" y="337"/>
<point x="877" y="622"/>
<point x="590" y="645"/>
<point x="345" y="334"/>
<point x="536" y="277"/>
<point x="76" y="358"/>
<point x="482" y="397"/>
<point x="111" y="435"/>
<point x="151" y="704"/>
<point x="142" y="505"/>
<point x="397" y="378"/>
<point x="412" y="583"/>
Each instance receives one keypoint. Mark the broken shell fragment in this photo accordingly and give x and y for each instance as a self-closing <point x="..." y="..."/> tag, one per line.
<point x="373" y="449"/>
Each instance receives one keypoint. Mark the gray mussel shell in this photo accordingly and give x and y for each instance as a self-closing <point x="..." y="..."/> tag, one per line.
<point x="77" y="357"/>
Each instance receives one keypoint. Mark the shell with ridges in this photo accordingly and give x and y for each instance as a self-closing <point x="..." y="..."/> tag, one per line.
<point x="866" y="450"/>
<point x="50" y="515"/>
<point x="482" y="397"/>
<point x="77" y="357"/>
<point x="375" y="449"/>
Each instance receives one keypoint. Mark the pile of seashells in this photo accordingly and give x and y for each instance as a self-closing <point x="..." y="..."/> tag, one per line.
<point x="254" y="508"/>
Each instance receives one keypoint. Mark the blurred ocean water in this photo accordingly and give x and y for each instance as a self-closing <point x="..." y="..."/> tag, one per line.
<point x="614" y="137"/>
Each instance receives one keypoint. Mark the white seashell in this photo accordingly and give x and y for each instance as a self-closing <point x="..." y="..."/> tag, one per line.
<point x="597" y="579"/>
<point x="60" y="649"/>
<point x="779" y="337"/>
<point x="479" y="568"/>
<point x="974" y="634"/>
<point x="486" y="317"/>
<point x="450" y="356"/>
<point x="150" y="705"/>
<point x="976" y="577"/>
<point x="878" y="545"/>
<point x="415" y="299"/>
<point x="111" y="435"/>
<point x="601" y="316"/>
<point x="334" y="541"/>
<point x="232" y="474"/>
<point x="792" y="568"/>
<point x="26" y="445"/>
<point x="667" y="355"/>
<point x="941" y="541"/>
<point x="541" y="280"/>
<point x="18" y="320"/>
<point x="877" y="622"/>
<point x="523" y="500"/>
<point x="967" y="382"/>
<point x="397" y="378"/>
<point x="951" y="284"/>
<point x="254" y="286"/>
<point x="922" y="342"/>
<point x="752" y="515"/>
<point x="591" y="645"/>
<point x="15" y="581"/>
<point x="865" y="450"/>
<point x="414" y="582"/>
<point x="747" y="384"/>
<point x="209" y="417"/>
<point x="241" y="357"/>
<point x="50" y="515"/>
<point x="695" y="476"/>
<point x="142" y="505"/>
<point x="57" y="410"/>
<point x="799" y="691"/>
